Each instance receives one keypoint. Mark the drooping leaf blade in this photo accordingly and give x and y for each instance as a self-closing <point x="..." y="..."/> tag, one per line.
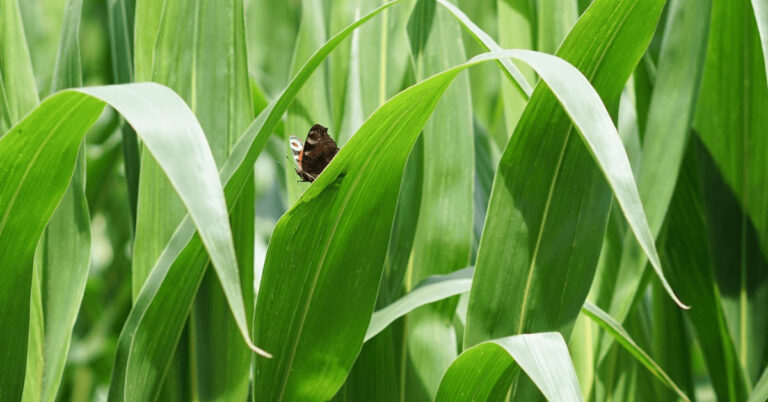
<point x="47" y="140"/>
<point x="481" y="370"/>
<point x="169" y="290"/>
<point x="535" y="226"/>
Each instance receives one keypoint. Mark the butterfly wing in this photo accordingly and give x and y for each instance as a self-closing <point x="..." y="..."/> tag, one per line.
<point x="319" y="149"/>
<point x="297" y="148"/>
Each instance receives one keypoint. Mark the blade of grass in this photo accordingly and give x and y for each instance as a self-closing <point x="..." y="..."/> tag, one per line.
<point x="481" y="370"/>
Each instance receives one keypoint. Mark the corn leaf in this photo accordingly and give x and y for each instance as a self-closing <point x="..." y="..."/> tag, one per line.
<point x="481" y="371"/>
<point x="35" y="181"/>
<point x="546" y="218"/>
<point x="670" y="115"/>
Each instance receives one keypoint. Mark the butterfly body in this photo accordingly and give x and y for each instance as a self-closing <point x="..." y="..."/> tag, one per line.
<point x="313" y="155"/>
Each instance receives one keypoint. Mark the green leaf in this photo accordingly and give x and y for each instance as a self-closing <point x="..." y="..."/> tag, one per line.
<point x="420" y="25"/>
<point x="479" y="371"/>
<point x="439" y="287"/>
<point x="548" y="207"/>
<point x="216" y="86"/>
<point x="443" y="237"/>
<point x="760" y="8"/>
<point x="120" y="19"/>
<point x="352" y="253"/>
<point x="18" y="92"/>
<point x="168" y="292"/>
<point x="351" y="206"/>
<point x="509" y="68"/>
<point x="730" y="117"/>
<point x="431" y="289"/>
<point x="555" y="19"/>
<point x="41" y="147"/>
<point x="517" y="24"/>
<point x="760" y="393"/>
<point x="65" y="246"/>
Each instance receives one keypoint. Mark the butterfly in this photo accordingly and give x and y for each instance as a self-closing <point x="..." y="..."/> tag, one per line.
<point x="313" y="155"/>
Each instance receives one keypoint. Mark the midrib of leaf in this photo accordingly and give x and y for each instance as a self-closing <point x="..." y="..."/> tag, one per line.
<point x="544" y="220"/>
<point x="555" y="175"/>
<point x="32" y="162"/>
<point x="305" y="308"/>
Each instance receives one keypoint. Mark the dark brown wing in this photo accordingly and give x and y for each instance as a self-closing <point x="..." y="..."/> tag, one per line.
<point x="319" y="150"/>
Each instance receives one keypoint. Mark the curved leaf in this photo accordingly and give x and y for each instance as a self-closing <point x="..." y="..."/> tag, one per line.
<point x="154" y="325"/>
<point x="439" y="287"/>
<point x="39" y="156"/>
<point x="549" y="205"/>
<point x="479" y="372"/>
<point x="346" y="214"/>
<point x="516" y="77"/>
<point x="760" y="393"/>
<point x="430" y="290"/>
<point x="622" y="336"/>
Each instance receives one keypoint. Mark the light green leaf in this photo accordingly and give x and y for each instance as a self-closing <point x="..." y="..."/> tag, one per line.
<point x="431" y="289"/>
<point x="760" y="8"/>
<point x="555" y="20"/>
<point x="479" y="372"/>
<point x="760" y="393"/>
<point x="18" y="92"/>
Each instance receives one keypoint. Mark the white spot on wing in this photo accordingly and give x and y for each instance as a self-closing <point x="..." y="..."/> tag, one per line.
<point x="295" y="144"/>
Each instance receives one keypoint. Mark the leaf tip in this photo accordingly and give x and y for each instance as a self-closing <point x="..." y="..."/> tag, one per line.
<point x="258" y="350"/>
